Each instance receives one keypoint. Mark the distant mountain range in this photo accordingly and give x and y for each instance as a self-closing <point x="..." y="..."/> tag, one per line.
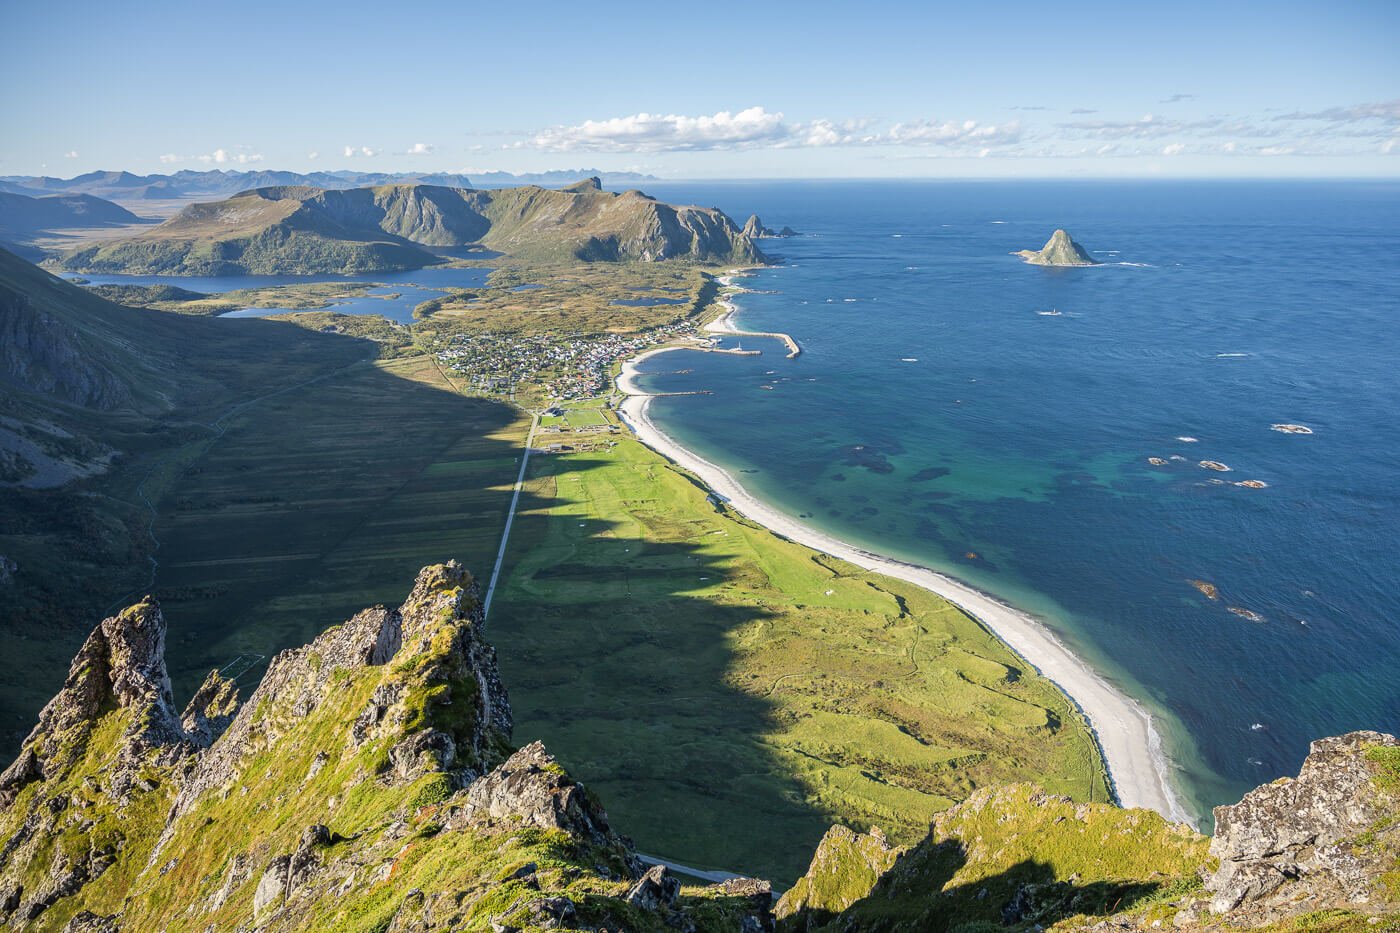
<point x="301" y="229"/>
<point x="219" y="183"/>
<point x="22" y="217"/>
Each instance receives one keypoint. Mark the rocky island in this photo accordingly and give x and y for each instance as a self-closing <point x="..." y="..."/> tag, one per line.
<point x="1059" y="250"/>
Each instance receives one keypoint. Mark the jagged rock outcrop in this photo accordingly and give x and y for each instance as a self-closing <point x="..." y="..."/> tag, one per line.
<point x="531" y="789"/>
<point x="367" y="783"/>
<point x="754" y="229"/>
<point x="120" y="667"/>
<point x="1324" y="839"/>
<point x="844" y="869"/>
<point x="1059" y="250"/>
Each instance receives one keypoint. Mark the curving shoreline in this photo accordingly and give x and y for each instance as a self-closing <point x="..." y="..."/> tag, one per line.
<point x="1131" y="746"/>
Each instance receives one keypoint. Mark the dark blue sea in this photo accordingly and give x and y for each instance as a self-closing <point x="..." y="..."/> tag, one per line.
<point x="938" y="415"/>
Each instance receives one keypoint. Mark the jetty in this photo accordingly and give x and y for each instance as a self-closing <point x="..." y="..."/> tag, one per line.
<point x="793" y="348"/>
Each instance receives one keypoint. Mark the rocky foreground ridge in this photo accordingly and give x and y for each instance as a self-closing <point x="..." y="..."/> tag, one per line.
<point x="369" y="783"/>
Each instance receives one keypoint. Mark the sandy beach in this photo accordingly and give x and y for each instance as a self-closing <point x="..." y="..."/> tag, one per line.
<point x="1131" y="745"/>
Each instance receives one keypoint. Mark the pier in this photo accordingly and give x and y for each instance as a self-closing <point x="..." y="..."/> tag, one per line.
<point x="793" y="348"/>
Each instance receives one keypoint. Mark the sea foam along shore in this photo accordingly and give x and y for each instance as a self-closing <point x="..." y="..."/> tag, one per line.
<point x="1132" y="747"/>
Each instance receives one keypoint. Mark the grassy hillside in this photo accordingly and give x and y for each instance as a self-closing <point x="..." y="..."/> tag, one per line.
<point x="656" y="641"/>
<point x="1007" y="857"/>
<point x="240" y="455"/>
<point x="22" y="216"/>
<point x="297" y="230"/>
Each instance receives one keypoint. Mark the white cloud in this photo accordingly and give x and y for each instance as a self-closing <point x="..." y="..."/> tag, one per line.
<point x="421" y="149"/>
<point x="353" y="151"/>
<point x="1174" y="149"/>
<point x="1387" y="111"/>
<point x="313" y="155"/>
<point x="239" y="156"/>
<point x="1277" y="150"/>
<point x="966" y="133"/>
<point x="71" y="154"/>
<point x="758" y="128"/>
<point x="747" y="129"/>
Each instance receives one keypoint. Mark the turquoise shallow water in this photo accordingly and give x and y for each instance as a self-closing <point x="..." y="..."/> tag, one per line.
<point x="936" y="416"/>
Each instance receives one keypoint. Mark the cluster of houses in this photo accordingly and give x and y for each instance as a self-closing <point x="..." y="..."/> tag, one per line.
<point x="566" y="367"/>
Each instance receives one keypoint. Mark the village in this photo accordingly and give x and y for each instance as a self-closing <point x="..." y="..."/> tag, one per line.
<point x="560" y="367"/>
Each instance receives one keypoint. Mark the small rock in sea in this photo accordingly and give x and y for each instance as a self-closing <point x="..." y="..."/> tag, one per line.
<point x="971" y="555"/>
<point x="1291" y="428"/>
<point x="1248" y="614"/>
<point x="1156" y="461"/>
<point x="1207" y="589"/>
<point x="1253" y="484"/>
<point x="1215" y="465"/>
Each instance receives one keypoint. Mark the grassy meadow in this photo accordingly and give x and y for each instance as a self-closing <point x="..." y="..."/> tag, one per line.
<point x="317" y="503"/>
<point x="730" y="694"/>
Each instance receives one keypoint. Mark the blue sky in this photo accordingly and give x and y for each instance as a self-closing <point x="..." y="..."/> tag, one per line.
<point x="713" y="89"/>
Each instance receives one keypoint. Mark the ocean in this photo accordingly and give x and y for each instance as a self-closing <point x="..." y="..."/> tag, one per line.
<point x="957" y="408"/>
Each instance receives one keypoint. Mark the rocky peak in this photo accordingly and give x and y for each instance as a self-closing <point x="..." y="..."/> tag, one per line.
<point x="1059" y="250"/>
<point x="531" y="789"/>
<point x="845" y="867"/>
<point x="586" y="186"/>
<point x="120" y="667"/>
<point x="448" y="671"/>
<point x="1322" y="839"/>
<point x="754" y="229"/>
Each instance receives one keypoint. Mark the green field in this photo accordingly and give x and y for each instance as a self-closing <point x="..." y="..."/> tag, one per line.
<point x="317" y="503"/>
<point x="731" y="694"/>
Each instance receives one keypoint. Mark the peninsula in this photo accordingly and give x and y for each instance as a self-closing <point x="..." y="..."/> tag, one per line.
<point x="1059" y="250"/>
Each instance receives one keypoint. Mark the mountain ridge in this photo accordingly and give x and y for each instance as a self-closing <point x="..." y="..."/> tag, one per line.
<point x="299" y="229"/>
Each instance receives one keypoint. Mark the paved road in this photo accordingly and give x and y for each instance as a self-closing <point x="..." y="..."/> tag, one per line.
<point x="712" y="876"/>
<point x="510" y="517"/>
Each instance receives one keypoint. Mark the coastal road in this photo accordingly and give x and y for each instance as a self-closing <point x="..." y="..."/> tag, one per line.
<point x="714" y="877"/>
<point x="510" y="516"/>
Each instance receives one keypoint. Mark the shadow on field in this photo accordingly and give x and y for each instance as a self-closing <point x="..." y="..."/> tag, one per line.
<point x="293" y="484"/>
<point x="627" y="672"/>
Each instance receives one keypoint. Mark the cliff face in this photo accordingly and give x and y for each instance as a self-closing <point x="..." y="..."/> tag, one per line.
<point x="41" y="354"/>
<point x="366" y="784"/>
<point x="1330" y="837"/>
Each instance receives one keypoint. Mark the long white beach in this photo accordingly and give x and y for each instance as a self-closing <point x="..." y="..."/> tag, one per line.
<point x="1131" y="745"/>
